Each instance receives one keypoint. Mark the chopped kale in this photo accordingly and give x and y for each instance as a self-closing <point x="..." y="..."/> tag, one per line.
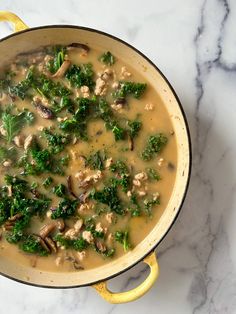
<point x="21" y="90"/>
<point x="31" y="244"/>
<point x="78" y="244"/>
<point x="123" y="181"/>
<point x="109" y="252"/>
<point x="154" y="145"/>
<point x="109" y="196"/>
<point x="58" y="58"/>
<point x="77" y="125"/>
<point x="107" y="58"/>
<point x="17" y="233"/>
<point x="65" y="209"/>
<point x="134" y="128"/>
<point x="65" y="103"/>
<point x="119" y="167"/>
<point x="123" y="238"/>
<point x="81" y="75"/>
<point x="95" y="161"/>
<point x="60" y="190"/>
<point x="130" y="88"/>
<point x="148" y="205"/>
<point x="103" y="111"/>
<point x="12" y="124"/>
<point x="118" y="132"/>
<point x="50" y="89"/>
<point x="153" y="174"/>
<point x="64" y="160"/>
<point x="56" y="142"/>
<point x="47" y="182"/>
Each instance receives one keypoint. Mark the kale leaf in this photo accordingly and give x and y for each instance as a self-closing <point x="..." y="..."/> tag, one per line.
<point x="65" y="209"/>
<point x="107" y="58"/>
<point x="154" y="145"/>
<point x="95" y="161"/>
<point x="81" y="75"/>
<point x="109" y="196"/>
<point x="130" y="88"/>
<point x="123" y="238"/>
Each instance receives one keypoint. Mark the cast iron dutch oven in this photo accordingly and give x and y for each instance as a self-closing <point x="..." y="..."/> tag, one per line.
<point x="26" y="39"/>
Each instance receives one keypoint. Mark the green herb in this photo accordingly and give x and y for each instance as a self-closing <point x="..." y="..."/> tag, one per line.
<point x="135" y="127"/>
<point x="103" y="111"/>
<point x="13" y="124"/>
<point x="64" y="160"/>
<point x="136" y="211"/>
<point x="109" y="252"/>
<point x="154" y="145"/>
<point x="123" y="238"/>
<point x="65" y="103"/>
<point x="153" y="174"/>
<point x="109" y="197"/>
<point x="78" y="244"/>
<point x="60" y="190"/>
<point x="119" y="167"/>
<point x="31" y="244"/>
<point x="48" y="88"/>
<point x="56" y="142"/>
<point x="65" y="209"/>
<point x="107" y="58"/>
<point x="118" y="132"/>
<point x="59" y="57"/>
<point x="77" y="125"/>
<point x="124" y="182"/>
<point x="34" y="185"/>
<point x="81" y="75"/>
<point x="95" y="161"/>
<point x="130" y="88"/>
<point x="47" y="182"/>
<point x="148" y="205"/>
<point x="21" y="89"/>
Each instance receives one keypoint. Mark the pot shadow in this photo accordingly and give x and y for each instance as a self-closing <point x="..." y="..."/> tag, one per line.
<point x="185" y="252"/>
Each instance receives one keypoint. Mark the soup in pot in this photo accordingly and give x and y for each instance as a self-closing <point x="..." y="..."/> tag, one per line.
<point x="87" y="158"/>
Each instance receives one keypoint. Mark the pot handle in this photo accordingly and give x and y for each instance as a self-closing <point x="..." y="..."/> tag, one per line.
<point x="134" y="294"/>
<point x="19" y="25"/>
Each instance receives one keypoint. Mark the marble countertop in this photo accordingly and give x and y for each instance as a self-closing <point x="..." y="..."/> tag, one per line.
<point x="194" y="44"/>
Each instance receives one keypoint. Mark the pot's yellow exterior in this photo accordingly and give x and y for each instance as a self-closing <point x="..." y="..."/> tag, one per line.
<point x="51" y="35"/>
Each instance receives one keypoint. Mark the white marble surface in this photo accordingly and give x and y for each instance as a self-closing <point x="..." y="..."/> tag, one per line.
<point x="194" y="44"/>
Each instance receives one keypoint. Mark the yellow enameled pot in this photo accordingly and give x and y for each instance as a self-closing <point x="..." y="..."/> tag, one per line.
<point x="26" y="39"/>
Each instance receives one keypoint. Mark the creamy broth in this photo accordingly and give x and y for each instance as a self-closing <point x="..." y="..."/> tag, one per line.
<point x="101" y="242"/>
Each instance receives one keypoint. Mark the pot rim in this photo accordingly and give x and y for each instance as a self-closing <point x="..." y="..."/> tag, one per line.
<point x="188" y="142"/>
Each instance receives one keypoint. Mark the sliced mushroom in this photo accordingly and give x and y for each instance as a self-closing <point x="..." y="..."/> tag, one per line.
<point x="120" y="101"/>
<point x="42" y="110"/>
<point x="15" y="217"/>
<point x="35" y="193"/>
<point x="79" y="45"/>
<point x="51" y="244"/>
<point x="47" y="229"/>
<point x="69" y="185"/>
<point x="9" y="225"/>
<point x="74" y="262"/>
<point x="100" y="246"/>
<point x="131" y="143"/>
<point x="62" y="70"/>
<point x="83" y="196"/>
<point x="43" y="244"/>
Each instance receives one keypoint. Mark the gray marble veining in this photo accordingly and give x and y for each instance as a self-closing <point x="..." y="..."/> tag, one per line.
<point x="194" y="44"/>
